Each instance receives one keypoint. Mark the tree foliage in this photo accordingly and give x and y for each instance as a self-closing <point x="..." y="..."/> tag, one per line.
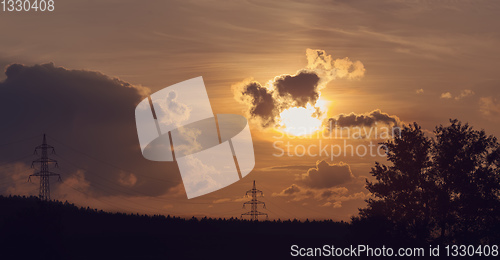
<point x="444" y="189"/>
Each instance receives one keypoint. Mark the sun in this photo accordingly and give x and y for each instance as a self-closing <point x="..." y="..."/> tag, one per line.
<point x="300" y="121"/>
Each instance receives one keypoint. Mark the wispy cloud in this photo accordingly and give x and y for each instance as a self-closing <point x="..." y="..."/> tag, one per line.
<point x="331" y="197"/>
<point x="490" y="106"/>
<point x="464" y="93"/>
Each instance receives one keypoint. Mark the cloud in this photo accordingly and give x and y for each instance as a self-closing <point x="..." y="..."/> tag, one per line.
<point x="300" y="89"/>
<point x="14" y="177"/>
<point x="197" y="183"/>
<point x="330" y="184"/>
<point x="330" y="69"/>
<point x="364" y="120"/>
<point x="291" y="167"/>
<point x="464" y="93"/>
<point x="419" y="91"/>
<point x="291" y="190"/>
<point x="89" y="118"/>
<point x="127" y="179"/>
<point x="335" y="204"/>
<point x="332" y="197"/>
<point x="265" y="102"/>
<point x="299" y="193"/>
<point x="336" y="201"/>
<point x="489" y="106"/>
<point x="326" y="175"/>
<point x="77" y="181"/>
<point x="260" y="101"/>
<point x="187" y="140"/>
<point x="223" y="200"/>
<point x="172" y="111"/>
<point x="446" y="95"/>
<point x="73" y="188"/>
<point x="331" y="192"/>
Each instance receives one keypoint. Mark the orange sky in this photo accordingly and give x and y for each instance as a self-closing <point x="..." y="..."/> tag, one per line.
<point x="414" y="53"/>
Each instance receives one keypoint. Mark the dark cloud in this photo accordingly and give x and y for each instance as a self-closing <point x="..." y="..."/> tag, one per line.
<point x="89" y="118"/>
<point x="261" y="102"/>
<point x="328" y="193"/>
<point x="15" y="69"/>
<point x="364" y="120"/>
<point x="326" y="175"/>
<point x="4" y="64"/>
<point x="301" y="88"/>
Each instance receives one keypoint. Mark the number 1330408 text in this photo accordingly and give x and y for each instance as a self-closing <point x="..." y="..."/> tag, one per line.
<point x="27" y="5"/>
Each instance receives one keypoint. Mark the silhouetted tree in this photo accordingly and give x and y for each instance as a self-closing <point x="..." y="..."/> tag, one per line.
<point x="468" y="182"/>
<point x="403" y="190"/>
<point x="446" y="189"/>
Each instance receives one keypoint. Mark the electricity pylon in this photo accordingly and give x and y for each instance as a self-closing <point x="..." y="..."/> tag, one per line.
<point x="44" y="172"/>
<point x="254" y="213"/>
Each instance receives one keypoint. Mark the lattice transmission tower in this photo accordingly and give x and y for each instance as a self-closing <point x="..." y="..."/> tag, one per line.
<point x="254" y="213"/>
<point x="44" y="172"/>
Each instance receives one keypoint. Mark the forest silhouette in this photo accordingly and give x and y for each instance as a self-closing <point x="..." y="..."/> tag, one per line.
<point x="440" y="190"/>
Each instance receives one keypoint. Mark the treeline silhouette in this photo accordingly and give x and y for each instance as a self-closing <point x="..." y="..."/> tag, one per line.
<point x="56" y="230"/>
<point x="31" y="228"/>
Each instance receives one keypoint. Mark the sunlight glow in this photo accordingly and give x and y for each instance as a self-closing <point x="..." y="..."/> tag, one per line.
<point x="300" y="120"/>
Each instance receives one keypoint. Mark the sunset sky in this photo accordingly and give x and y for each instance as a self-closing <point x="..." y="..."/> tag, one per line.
<point x="407" y="61"/>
